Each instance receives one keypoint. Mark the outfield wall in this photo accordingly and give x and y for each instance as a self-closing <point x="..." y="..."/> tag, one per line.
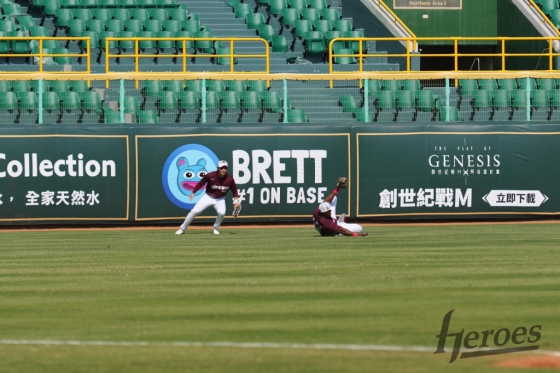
<point x="88" y="175"/>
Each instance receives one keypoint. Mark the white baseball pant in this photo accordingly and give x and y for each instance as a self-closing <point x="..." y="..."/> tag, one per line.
<point x="205" y="202"/>
<point x="356" y="228"/>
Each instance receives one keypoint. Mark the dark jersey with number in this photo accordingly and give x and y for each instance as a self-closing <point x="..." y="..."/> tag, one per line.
<point x="325" y="225"/>
<point x="216" y="187"/>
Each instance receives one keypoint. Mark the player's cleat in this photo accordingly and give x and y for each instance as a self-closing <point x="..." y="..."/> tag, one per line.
<point x="216" y="231"/>
<point x="180" y="231"/>
<point x="342" y="218"/>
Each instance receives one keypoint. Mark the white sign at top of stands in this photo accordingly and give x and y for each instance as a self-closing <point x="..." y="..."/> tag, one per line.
<point x="427" y="4"/>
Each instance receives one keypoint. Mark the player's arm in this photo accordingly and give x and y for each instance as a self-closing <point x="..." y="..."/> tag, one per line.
<point x="346" y="232"/>
<point x="333" y="194"/>
<point x="198" y="185"/>
<point x="233" y="189"/>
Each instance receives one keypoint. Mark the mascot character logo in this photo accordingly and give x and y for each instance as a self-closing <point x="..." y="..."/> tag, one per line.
<point x="183" y="169"/>
<point x="189" y="176"/>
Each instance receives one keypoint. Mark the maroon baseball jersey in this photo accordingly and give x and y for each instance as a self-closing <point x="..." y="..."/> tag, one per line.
<point x="216" y="187"/>
<point x="325" y="225"/>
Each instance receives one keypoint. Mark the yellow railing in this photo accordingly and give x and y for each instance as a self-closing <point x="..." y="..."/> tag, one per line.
<point x="40" y="54"/>
<point x="455" y="41"/>
<point x="184" y="56"/>
<point x="544" y="17"/>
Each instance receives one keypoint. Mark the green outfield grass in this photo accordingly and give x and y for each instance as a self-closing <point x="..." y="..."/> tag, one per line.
<point x="285" y="285"/>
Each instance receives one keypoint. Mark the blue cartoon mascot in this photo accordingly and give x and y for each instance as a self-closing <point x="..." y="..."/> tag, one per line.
<point x="189" y="175"/>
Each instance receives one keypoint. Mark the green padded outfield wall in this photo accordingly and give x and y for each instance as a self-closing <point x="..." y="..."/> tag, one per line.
<point x="85" y="175"/>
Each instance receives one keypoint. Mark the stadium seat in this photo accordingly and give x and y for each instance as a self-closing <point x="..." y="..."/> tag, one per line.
<point x="507" y="84"/>
<point x="241" y="10"/>
<point x="488" y="84"/>
<point x="167" y="100"/>
<point x="25" y="20"/>
<point x="109" y="3"/>
<point x="10" y="9"/>
<point x="153" y="25"/>
<point x="216" y="85"/>
<point x="519" y="104"/>
<point x="318" y="4"/>
<point x="411" y="85"/>
<point x="70" y="4"/>
<point x="297" y="116"/>
<point x="91" y="104"/>
<point x="5" y="86"/>
<point x="144" y="4"/>
<point x="266" y="32"/>
<point x="310" y="14"/>
<point x="225" y="60"/>
<point x="501" y="105"/>
<point x="251" y="103"/>
<point x="204" y="46"/>
<point x="8" y="107"/>
<point x="51" y="105"/>
<point x="453" y="114"/>
<point x="71" y="104"/>
<point x="385" y="105"/>
<point x="391" y="85"/>
<point x="522" y="83"/>
<point x="314" y="43"/>
<point x="95" y="25"/>
<point x="405" y="105"/>
<point x="540" y="105"/>
<point x="257" y="86"/>
<point x="229" y="104"/>
<point x="238" y="86"/>
<point x="354" y="44"/>
<point x="167" y="4"/>
<point x="28" y="102"/>
<point x="348" y="103"/>
<point x="554" y="95"/>
<point x="298" y="4"/>
<point x="274" y="8"/>
<point x="426" y="105"/>
<point x="344" y="56"/>
<point x="547" y="6"/>
<point x="111" y="116"/>
<point x="288" y="17"/>
<point x="79" y="86"/>
<point x="481" y="106"/>
<point x="546" y="84"/>
<point x="271" y="103"/>
<point x="172" y="25"/>
<point x="131" y="105"/>
<point x="76" y="27"/>
<point x="175" y="86"/>
<point x="343" y="25"/>
<point x="279" y="43"/>
<point x="148" y="117"/>
<point x="254" y="20"/>
<point x="189" y="102"/>
<point x="83" y="14"/>
<point x="91" y="4"/>
<point x="191" y="25"/>
<point x="159" y="14"/>
<point x="139" y="14"/>
<point x="59" y="86"/>
<point x="150" y="88"/>
<point x="19" y="86"/>
<point x="193" y="86"/>
<point x="322" y="26"/>
<point x="127" y="4"/>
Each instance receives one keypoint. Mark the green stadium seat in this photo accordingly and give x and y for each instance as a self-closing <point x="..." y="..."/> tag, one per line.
<point x="405" y="105"/>
<point x="172" y="26"/>
<point x="251" y="102"/>
<point x="225" y="60"/>
<point x="83" y="14"/>
<point x="254" y="20"/>
<point x="555" y="17"/>
<point x="373" y="86"/>
<point x="257" y="86"/>
<point x="148" y="117"/>
<point x="467" y="87"/>
<point x="348" y="103"/>
<point x="168" y="4"/>
<point x="522" y="83"/>
<point x="360" y="115"/>
<point x="554" y="95"/>
<point x="426" y="105"/>
<point x="25" y="20"/>
<point x="95" y="25"/>
<point x="131" y="105"/>
<point x="27" y="101"/>
<point x="139" y="14"/>
<point x="168" y="101"/>
<point x="20" y="46"/>
<point x="241" y="10"/>
<point x="102" y="14"/>
<point x="330" y="14"/>
<point x="411" y="85"/>
<point x="5" y="45"/>
<point x="488" y="84"/>
<point x="298" y="4"/>
<point x="150" y="88"/>
<point x="344" y="56"/>
<point x="49" y="9"/>
<point x="297" y="116"/>
<point x="547" y="6"/>
<point x="288" y="17"/>
<point x="90" y="4"/>
<point x="216" y="85"/>
<point x="318" y="4"/>
<point x="111" y="116"/>
<point x="109" y="3"/>
<point x="206" y="46"/>
<point x="481" y="106"/>
<point x="238" y="86"/>
<point x="60" y="56"/>
<point x="19" y="86"/>
<point x="271" y="102"/>
<point x="193" y="86"/>
<point x="108" y="34"/>
<point x="11" y="9"/>
<point x="144" y="44"/>
<point x="76" y="27"/>
<point x="229" y="103"/>
<point x="8" y="107"/>
<point x="343" y="25"/>
<point x="127" y="4"/>
<point x="5" y="86"/>
<point x="79" y="86"/>
<point x="153" y="25"/>
<point x="59" y="86"/>
<point x="188" y="101"/>
<point x="275" y="7"/>
<point x="51" y="105"/>
<point x="93" y="43"/>
<point x="330" y="36"/>
<point x="92" y="104"/>
<point x="191" y="26"/>
<point x="266" y="32"/>
<point x="212" y="105"/>
<point x="121" y="14"/>
<point x="131" y="25"/>
<point x="70" y="4"/>
<point x="159" y="14"/>
<point x="519" y="104"/>
<point x="279" y="43"/>
<point x="323" y="26"/>
<point x="126" y="45"/>
<point x="507" y="84"/>
<point x="179" y="14"/>
<point x="385" y="105"/>
<point x="540" y="105"/>
<point x="310" y="14"/>
<point x="314" y="43"/>
<point x="501" y="105"/>
<point x="453" y="114"/>
<point x="39" y="31"/>
<point x="189" y="44"/>
<point x="147" y="4"/>
<point x="546" y="84"/>
<point x="175" y="86"/>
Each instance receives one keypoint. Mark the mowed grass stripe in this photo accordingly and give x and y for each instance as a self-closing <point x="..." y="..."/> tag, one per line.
<point x="278" y="285"/>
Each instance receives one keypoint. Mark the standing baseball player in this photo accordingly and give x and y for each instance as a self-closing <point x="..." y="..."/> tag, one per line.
<point x="217" y="185"/>
<point x="324" y="216"/>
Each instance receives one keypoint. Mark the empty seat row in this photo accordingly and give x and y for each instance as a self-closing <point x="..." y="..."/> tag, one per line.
<point x="296" y="4"/>
<point x="153" y="87"/>
<point x="64" y="16"/>
<point x="76" y="26"/>
<point x="467" y="86"/>
<point x="51" y="5"/>
<point x="48" y="85"/>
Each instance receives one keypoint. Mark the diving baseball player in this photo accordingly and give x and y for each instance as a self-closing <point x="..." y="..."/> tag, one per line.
<point x="217" y="185"/>
<point x="324" y="216"/>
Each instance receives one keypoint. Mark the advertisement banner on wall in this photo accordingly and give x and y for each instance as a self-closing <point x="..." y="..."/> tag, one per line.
<point x="277" y="175"/>
<point x="428" y="4"/>
<point x="452" y="174"/>
<point x="64" y="177"/>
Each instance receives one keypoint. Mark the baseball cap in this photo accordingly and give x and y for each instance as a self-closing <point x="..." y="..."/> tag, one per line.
<point x="325" y="206"/>
<point x="222" y="163"/>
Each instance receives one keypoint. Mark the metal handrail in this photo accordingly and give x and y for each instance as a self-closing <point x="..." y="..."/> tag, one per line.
<point x="40" y="53"/>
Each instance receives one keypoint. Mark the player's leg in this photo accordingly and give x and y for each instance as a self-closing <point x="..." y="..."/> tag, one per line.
<point x="200" y="206"/>
<point x="220" y="206"/>
<point x="356" y="228"/>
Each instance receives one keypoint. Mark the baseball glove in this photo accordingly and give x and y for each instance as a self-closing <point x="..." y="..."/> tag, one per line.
<point x="236" y="210"/>
<point x="342" y="182"/>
